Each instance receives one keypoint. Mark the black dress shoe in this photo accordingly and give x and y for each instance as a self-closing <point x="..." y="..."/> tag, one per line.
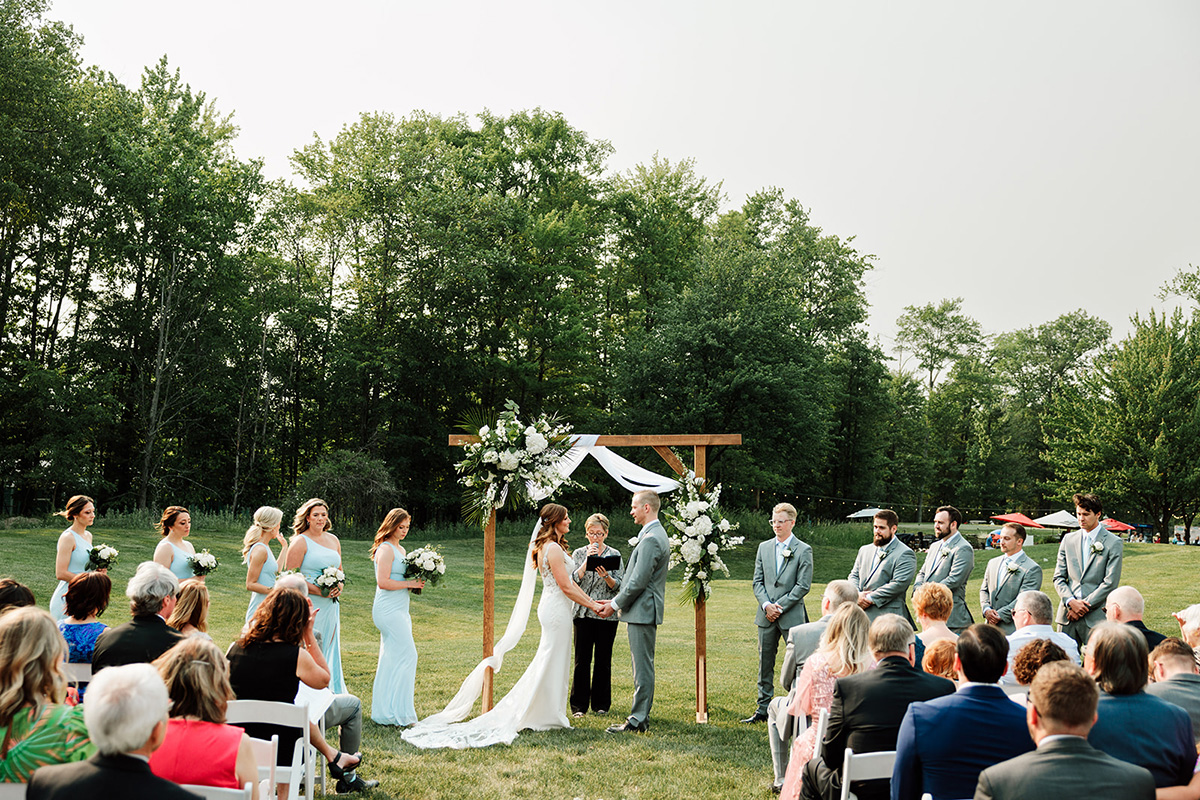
<point x="628" y="727"/>
<point x="757" y="716"/>
<point x="776" y="788"/>
<point x="355" y="784"/>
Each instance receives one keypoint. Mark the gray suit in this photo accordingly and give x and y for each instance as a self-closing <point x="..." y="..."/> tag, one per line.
<point x="802" y="642"/>
<point x="999" y="591"/>
<point x="641" y="601"/>
<point x="787" y="587"/>
<point x="1089" y="580"/>
<point x="949" y="562"/>
<point x="1182" y="690"/>
<point x="887" y="580"/>
<point x="1065" y="769"/>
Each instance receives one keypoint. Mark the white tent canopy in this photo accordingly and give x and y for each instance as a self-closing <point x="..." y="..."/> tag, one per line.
<point x="1059" y="519"/>
<point x="866" y="513"/>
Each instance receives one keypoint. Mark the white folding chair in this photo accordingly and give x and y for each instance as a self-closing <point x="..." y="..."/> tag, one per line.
<point x="287" y="715"/>
<point x="266" y="754"/>
<point x="12" y="791"/>
<point x="78" y="673"/>
<point x="1014" y="688"/>
<point x="219" y="792"/>
<point x="822" y="726"/>
<point x="865" y="767"/>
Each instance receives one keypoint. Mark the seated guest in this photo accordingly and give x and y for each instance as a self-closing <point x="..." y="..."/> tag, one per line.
<point x="38" y="728"/>
<point x="1126" y="605"/>
<point x="1033" y="656"/>
<point x="802" y="642"/>
<point x="197" y="679"/>
<point x="277" y="652"/>
<point x="126" y="713"/>
<point x="14" y="595"/>
<point x="1189" y="627"/>
<point x="190" y="616"/>
<point x="933" y="603"/>
<point x="1032" y="615"/>
<point x="151" y="592"/>
<point x="946" y="742"/>
<point x="86" y="599"/>
<point x="1173" y="666"/>
<point x="867" y="710"/>
<point x="939" y="659"/>
<point x="1062" y="708"/>
<point x="1164" y="744"/>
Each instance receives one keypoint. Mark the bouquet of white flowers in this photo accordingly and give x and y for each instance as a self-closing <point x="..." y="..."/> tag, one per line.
<point x="203" y="563"/>
<point x="102" y="556"/>
<point x="425" y="564"/>
<point x="329" y="578"/>
<point x="698" y="533"/>
<point x="509" y="455"/>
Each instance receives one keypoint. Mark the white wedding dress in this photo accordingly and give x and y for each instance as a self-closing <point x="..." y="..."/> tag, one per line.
<point x="538" y="701"/>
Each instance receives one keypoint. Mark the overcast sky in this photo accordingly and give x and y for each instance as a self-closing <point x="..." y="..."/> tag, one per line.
<point x="1030" y="157"/>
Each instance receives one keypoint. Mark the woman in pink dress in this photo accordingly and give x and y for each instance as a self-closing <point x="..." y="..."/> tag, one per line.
<point x="843" y="652"/>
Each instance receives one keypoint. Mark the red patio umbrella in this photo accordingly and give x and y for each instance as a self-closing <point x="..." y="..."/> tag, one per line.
<point x="1020" y="519"/>
<point x="1116" y="525"/>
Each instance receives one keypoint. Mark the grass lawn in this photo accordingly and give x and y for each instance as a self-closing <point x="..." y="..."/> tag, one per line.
<point x="677" y="759"/>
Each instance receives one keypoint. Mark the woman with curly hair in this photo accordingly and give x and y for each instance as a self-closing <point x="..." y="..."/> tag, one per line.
<point x="38" y="728"/>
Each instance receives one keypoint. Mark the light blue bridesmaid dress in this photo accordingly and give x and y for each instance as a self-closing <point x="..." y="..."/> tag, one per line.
<point x="396" y="674"/>
<point x="179" y="562"/>
<point x="329" y="621"/>
<point x="266" y="577"/>
<point x="78" y="563"/>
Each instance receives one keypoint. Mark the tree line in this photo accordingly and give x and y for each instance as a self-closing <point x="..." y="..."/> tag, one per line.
<point x="174" y="327"/>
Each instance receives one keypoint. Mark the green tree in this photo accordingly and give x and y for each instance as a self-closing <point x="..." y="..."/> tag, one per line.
<point x="938" y="336"/>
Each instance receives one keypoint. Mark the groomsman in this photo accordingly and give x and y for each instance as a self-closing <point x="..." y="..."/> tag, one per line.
<point x="782" y="577"/>
<point x="949" y="562"/>
<point x="1088" y="568"/>
<point x="1006" y="577"/>
<point x="884" y="569"/>
<point x="640" y="604"/>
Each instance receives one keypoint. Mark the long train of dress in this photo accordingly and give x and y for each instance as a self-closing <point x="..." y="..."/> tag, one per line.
<point x="538" y="700"/>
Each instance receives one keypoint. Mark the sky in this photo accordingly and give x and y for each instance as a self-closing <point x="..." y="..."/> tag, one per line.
<point x="1031" y="157"/>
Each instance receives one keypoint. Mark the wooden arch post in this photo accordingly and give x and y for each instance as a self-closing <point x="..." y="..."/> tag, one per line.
<point x="662" y="445"/>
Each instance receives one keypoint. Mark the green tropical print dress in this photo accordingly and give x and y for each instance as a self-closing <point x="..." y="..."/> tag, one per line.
<point x="49" y="734"/>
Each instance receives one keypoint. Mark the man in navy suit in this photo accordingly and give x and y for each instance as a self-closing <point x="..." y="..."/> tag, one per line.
<point x="783" y="571"/>
<point x="945" y="743"/>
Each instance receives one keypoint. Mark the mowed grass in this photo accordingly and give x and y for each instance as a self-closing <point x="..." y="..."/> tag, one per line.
<point x="677" y="759"/>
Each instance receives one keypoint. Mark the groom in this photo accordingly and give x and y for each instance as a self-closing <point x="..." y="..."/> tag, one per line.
<point x="640" y="604"/>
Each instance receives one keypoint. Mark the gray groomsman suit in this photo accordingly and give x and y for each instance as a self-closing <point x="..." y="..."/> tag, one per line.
<point x="640" y="602"/>
<point x="887" y="579"/>
<point x="1089" y="578"/>
<point x="1061" y="769"/>
<point x="949" y="562"/>
<point x="787" y="587"/>
<point x="1000" y="588"/>
<point x="802" y="642"/>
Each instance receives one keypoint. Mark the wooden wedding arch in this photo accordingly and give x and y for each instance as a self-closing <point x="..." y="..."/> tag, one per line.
<point x="662" y="445"/>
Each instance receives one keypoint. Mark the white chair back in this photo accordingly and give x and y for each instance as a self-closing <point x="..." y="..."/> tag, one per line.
<point x="865" y="767"/>
<point x="287" y="715"/>
<point x="822" y="727"/>
<point x="219" y="792"/>
<point x="12" y="791"/>
<point x="78" y="673"/>
<point x="1014" y="688"/>
<point x="266" y="755"/>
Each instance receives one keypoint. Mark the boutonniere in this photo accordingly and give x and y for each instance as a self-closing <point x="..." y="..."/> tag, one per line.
<point x="881" y="555"/>
<point x="1097" y="547"/>
<point x="1012" y="567"/>
<point x="787" y="553"/>
<point x="633" y="542"/>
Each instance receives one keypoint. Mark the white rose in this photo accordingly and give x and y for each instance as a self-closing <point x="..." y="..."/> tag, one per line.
<point x="491" y="456"/>
<point x="441" y="568"/>
<point x="713" y="548"/>
<point x="484" y="431"/>
<point x="701" y="575"/>
<point x="724" y="525"/>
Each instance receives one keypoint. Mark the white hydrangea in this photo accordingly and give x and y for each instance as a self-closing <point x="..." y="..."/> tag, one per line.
<point x="703" y="526"/>
<point x="691" y="551"/>
<point x="534" y="441"/>
<point x="509" y="460"/>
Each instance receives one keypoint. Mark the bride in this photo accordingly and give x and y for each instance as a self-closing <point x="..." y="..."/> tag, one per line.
<point x="538" y="701"/>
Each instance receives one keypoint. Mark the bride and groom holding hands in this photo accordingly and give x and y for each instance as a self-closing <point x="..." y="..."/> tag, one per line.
<point x="538" y="700"/>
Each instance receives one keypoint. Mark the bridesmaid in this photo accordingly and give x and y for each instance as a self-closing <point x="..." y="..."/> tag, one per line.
<point x="173" y="552"/>
<point x="261" y="564"/>
<point x="74" y="544"/>
<point x="396" y="676"/>
<point x="313" y="549"/>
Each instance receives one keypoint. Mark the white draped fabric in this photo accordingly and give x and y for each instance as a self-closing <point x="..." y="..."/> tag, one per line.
<point x="628" y="475"/>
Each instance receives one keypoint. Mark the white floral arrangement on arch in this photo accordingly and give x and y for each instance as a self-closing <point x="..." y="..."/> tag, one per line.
<point x="509" y="454"/>
<point x="699" y="533"/>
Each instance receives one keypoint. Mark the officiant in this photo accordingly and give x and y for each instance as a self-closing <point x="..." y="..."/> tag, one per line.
<point x="598" y="573"/>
